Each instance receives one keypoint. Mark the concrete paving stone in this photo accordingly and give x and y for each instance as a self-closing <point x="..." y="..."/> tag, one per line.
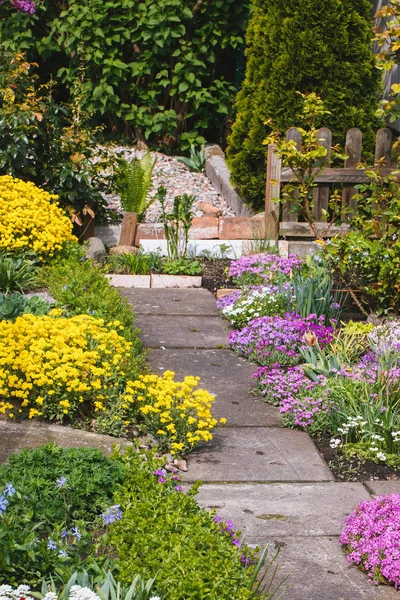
<point x="382" y="488"/>
<point x="318" y="571"/>
<point x="226" y="376"/>
<point x="246" y="454"/>
<point x="182" y="332"/>
<point x="198" y="302"/>
<point x="290" y="509"/>
<point x="27" y="434"/>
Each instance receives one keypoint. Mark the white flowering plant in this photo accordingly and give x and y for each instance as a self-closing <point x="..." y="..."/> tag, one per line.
<point x="139" y="590"/>
<point x="256" y="302"/>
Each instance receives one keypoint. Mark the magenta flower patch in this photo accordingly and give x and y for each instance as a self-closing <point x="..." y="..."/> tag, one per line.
<point x="371" y="538"/>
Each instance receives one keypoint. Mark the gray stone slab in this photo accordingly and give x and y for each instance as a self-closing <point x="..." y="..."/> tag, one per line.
<point x="171" y="301"/>
<point x="382" y="488"/>
<point x="302" y="509"/>
<point x="318" y="571"/>
<point x="246" y="454"/>
<point x="225" y="375"/>
<point x="27" y="434"/>
<point x="182" y="332"/>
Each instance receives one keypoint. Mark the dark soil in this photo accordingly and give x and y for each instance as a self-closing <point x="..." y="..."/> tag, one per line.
<point x="215" y="274"/>
<point x="352" y="469"/>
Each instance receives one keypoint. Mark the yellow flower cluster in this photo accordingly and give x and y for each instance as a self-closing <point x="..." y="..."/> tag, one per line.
<point x="60" y="367"/>
<point x="30" y="218"/>
<point x="177" y="413"/>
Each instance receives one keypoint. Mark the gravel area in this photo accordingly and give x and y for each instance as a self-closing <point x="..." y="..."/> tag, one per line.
<point x="176" y="177"/>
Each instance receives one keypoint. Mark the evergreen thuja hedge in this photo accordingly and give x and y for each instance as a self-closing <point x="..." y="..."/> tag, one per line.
<point x="322" y="46"/>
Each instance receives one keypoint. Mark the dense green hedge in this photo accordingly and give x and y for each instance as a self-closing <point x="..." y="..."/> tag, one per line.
<point x="322" y="46"/>
<point x="164" y="69"/>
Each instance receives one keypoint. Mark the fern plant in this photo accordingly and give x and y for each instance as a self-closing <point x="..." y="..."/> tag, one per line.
<point x="133" y="183"/>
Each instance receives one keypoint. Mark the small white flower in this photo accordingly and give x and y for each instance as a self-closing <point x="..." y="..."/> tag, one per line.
<point x="381" y="456"/>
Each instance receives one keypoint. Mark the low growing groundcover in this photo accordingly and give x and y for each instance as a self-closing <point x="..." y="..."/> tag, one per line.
<point x="67" y="509"/>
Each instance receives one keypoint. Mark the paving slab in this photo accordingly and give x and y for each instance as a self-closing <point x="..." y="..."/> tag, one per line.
<point x="265" y="510"/>
<point x="182" y="332"/>
<point x="171" y="301"/>
<point x="27" y="434"/>
<point x="258" y="454"/>
<point x="382" y="488"/>
<point x="226" y="376"/>
<point x="318" y="571"/>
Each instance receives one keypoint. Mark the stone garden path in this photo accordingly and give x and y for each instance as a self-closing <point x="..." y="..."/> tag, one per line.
<point x="270" y="481"/>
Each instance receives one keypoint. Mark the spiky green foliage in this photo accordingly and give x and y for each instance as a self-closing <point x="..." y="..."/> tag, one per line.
<point x="134" y="182"/>
<point x="321" y="46"/>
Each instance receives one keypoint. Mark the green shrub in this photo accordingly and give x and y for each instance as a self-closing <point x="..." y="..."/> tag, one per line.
<point x="165" y="70"/>
<point x="16" y="273"/>
<point x="15" y="305"/>
<point x="81" y="288"/>
<point x="164" y="531"/>
<point x="307" y="46"/>
<point x="43" y="505"/>
<point x="134" y="264"/>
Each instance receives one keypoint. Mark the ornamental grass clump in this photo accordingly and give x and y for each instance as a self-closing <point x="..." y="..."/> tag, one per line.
<point x="371" y="538"/>
<point x="30" y="219"/>
<point x="177" y="413"/>
<point x="277" y="340"/>
<point x="60" y="368"/>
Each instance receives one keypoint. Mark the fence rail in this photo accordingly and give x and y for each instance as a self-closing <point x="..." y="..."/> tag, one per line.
<point x="282" y="218"/>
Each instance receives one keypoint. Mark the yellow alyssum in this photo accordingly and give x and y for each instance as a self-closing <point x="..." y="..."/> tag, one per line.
<point x="177" y="412"/>
<point x="30" y="218"/>
<point x="55" y="366"/>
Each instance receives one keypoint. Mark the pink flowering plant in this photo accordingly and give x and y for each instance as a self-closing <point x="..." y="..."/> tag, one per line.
<point x="259" y="269"/>
<point x="277" y="340"/>
<point x="23" y="6"/>
<point x="371" y="538"/>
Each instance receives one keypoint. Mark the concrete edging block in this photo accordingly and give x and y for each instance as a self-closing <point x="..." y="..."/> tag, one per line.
<point x="175" y="281"/>
<point x="129" y="281"/>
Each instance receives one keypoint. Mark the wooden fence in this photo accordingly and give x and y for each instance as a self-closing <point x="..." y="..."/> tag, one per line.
<point x="279" y="217"/>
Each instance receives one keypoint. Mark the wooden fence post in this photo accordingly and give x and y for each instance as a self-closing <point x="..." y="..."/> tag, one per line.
<point x="321" y="193"/>
<point x="287" y="211"/>
<point x="353" y="149"/>
<point x="272" y="194"/>
<point x="383" y="147"/>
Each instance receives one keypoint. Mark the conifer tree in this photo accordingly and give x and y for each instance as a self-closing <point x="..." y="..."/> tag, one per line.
<point x="322" y="46"/>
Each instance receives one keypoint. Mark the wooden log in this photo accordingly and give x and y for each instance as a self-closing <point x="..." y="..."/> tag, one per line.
<point x="272" y="194"/>
<point x="321" y="192"/>
<point x="128" y="230"/>
<point x="383" y="147"/>
<point x="288" y="210"/>
<point x="331" y="175"/>
<point x="304" y="229"/>
<point x="353" y="149"/>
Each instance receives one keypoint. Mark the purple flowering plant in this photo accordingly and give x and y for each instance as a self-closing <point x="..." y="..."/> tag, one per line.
<point x="24" y="6"/>
<point x="277" y="340"/>
<point x="258" y="269"/>
<point x="371" y="538"/>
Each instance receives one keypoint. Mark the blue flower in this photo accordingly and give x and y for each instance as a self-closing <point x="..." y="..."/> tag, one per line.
<point x="63" y="554"/>
<point x="64" y="534"/>
<point x="112" y="514"/>
<point x="76" y="533"/>
<point x="61" y="482"/>
<point x="9" y="490"/>
<point x="51" y="545"/>
<point x="3" y="504"/>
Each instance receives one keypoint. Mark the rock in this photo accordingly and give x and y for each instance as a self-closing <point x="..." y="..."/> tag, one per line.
<point x="222" y="292"/>
<point x="213" y="150"/>
<point x="95" y="250"/>
<point x="181" y="464"/>
<point x="209" y="209"/>
<point x="119" y="250"/>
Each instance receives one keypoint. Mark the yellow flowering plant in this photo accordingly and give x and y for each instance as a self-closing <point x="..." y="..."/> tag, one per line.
<point x="177" y="413"/>
<point x="30" y="219"/>
<point x="61" y="368"/>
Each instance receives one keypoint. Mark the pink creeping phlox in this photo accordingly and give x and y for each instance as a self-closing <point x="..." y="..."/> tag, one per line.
<point x="270" y="340"/>
<point x="264" y="265"/>
<point x="371" y="538"/>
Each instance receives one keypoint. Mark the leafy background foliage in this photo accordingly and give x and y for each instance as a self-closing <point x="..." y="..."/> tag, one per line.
<point x="307" y="46"/>
<point x="162" y="70"/>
